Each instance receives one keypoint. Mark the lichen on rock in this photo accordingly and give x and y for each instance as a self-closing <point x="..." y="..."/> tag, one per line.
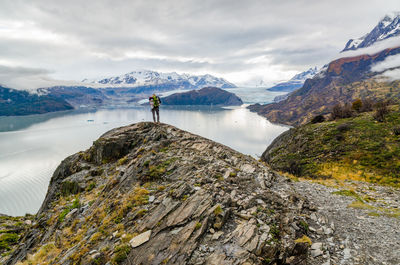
<point x="153" y="194"/>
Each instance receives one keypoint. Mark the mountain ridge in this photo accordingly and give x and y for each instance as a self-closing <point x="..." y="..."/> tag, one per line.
<point x="149" y="78"/>
<point x="295" y="82"/>
<point x="388" y="27"/>
<point x="342" y="81"/>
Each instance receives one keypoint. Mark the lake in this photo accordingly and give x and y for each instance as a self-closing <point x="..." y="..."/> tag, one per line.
<point x="31" y="147"/>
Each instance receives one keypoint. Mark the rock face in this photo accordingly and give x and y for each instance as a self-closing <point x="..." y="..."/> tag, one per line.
<point x="204" y="96"/>
<point x="343" y="81"/>
<point x="153" y="194"/>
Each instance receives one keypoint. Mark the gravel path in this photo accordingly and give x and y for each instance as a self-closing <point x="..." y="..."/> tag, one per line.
<point x="366" y="232"/>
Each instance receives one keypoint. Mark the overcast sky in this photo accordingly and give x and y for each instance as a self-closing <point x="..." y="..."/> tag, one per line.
<point x="239" y="40"/>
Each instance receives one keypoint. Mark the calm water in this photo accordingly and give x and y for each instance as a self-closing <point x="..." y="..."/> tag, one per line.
<point x="31" y="147"/>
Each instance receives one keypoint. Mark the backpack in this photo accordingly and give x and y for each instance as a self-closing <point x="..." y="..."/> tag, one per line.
<point x="156" y="101"/>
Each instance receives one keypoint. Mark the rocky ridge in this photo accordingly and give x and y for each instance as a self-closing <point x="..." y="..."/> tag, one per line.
<point x="387" y="28"/>
<point x="153" y="194"/>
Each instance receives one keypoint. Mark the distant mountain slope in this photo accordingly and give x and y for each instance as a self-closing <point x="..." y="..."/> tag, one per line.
<point x="16" y="102"/>
<point x="204" y="96"/>
<point x="343" y="80"/>
<point x="388" y="27"/>
<point x="151" y="78"/>
<point x="295" y="82"/>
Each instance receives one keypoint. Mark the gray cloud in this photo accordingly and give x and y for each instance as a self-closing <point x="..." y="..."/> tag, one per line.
<point x="237" y="39"/>
<point x="28" y="78"/>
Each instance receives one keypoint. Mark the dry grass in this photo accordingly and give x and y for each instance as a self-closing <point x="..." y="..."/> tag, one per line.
<point x="304" y="239"/>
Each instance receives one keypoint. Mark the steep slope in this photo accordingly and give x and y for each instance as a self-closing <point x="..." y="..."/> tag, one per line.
<point x="153" y="194"/>
<point x="343" y="81"/>
<point x="387" y="28"/>
<point x="16" y="102"/>
<point x="205" y="96"/>
<point x="356" y="148"/>
<point x="145" y="78"/>
<point x="295" y="82"/>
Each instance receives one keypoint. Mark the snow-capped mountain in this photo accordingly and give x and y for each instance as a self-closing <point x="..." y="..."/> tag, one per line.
<point x="295" y="82"/>
<point x="388" y="27"/>
<point x="140" y="78"/>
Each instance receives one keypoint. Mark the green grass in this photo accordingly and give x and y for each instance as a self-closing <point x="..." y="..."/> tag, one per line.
<point x="75" y="204"/>
<point x="357" y="148"/>
<point x="349" y="193"/>
<point x="7" y="239"/>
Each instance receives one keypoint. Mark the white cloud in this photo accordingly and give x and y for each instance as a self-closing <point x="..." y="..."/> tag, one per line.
<point x="377" y="47"/>
<point x="235" y="39"/>
<point x="389" y="63"/>
<point x="392" y="74"/>
<point x="28" y="78"/>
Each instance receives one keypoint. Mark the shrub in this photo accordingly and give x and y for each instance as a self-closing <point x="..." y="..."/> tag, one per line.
<point x="121" y="253"/>
<point x="340" y="111"/>
<point x="381" y="111"/>
<point x="343" y="127"/>
<point x="294" y="167"/>
<point x="367" y="105"/>
<point x="68" y="188"/>
<point x="357" y="105"/>
<point x="396" y="130"/>
<point x="318" y="119"/>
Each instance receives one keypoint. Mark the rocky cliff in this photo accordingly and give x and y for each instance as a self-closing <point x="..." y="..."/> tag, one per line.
<point x="153" y="194"/>
<point x="205" y="96"/>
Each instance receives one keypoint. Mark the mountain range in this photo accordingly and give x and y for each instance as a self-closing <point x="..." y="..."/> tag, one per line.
<point x="145" y="78"/>
<point x="341" y="81"/>
<point x="295" y="82"/>
<point x="387" y="28"/>
<point x="116" y="91"/>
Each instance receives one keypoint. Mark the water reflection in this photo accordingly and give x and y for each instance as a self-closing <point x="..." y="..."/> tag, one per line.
<point x="28" y="156"/>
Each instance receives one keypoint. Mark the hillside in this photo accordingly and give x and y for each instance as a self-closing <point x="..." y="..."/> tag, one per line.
<point x="153" y="194"/>
<point x="358" y="148"/>
<point x="16" y="102"/>
<point x="205" y="96"/>
<point x="343" y="81"/>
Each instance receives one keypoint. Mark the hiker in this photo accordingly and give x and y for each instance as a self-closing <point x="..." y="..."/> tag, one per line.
<point x="155" y="103"/>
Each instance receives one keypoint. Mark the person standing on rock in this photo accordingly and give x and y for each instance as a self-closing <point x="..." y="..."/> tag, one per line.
<point x="155" y="103"/>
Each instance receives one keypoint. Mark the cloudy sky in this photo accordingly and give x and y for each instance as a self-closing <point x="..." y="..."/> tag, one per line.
<point x="242" y="41"/>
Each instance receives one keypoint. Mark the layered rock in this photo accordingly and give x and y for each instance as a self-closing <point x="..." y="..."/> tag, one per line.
<point x="153" y="194"/>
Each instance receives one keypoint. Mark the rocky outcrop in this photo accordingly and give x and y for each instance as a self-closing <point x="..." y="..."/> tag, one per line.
<point x="153" y="194"/>
<point x="205" y="96"/>
<point x="344" y="80"/>
<point x="11" y="231"/>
